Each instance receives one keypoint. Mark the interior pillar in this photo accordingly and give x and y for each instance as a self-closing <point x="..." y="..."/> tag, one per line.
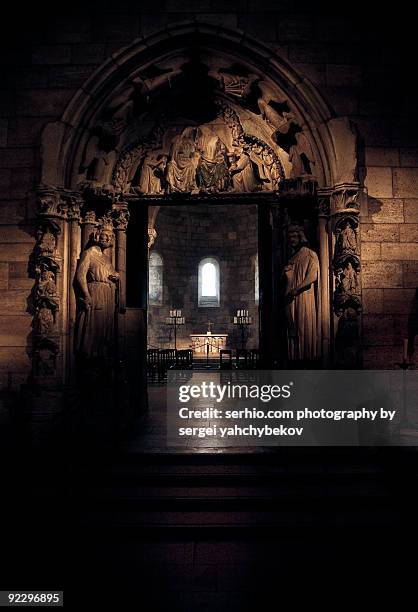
<point x="74" y="238"/>
<point x="265" y="257"/>
<point x="324" y="263"/>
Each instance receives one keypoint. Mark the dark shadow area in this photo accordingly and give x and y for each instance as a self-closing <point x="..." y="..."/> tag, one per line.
<point x="208" y="532"/>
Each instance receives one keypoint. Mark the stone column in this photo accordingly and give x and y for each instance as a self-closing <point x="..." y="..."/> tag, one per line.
<point x="88" y="223"/>
<point x="120" y="214"/>
<point x="324" y="263"/>
<point x="73" y="216"/>
<point x="346" y="264"/>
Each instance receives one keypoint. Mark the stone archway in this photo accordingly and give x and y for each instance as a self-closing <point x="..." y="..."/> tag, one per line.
<point x="94" y="159"/>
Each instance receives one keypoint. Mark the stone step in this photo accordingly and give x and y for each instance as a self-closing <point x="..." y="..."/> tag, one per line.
<point x="244" y="492"/>
<point x="289" y="519"/>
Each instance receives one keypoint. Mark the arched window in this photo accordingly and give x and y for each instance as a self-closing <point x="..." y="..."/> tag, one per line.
<point x="155" y="279"/>
<point x="256" y="280"/>
<point x="208" y="282"/>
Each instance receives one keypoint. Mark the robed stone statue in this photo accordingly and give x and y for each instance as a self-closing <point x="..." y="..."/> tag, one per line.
<point x="96" y="282"/>
<point x="303" y="310"/>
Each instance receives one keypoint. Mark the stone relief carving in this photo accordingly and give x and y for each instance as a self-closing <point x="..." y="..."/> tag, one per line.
<point x="46" y="294"/>
<point x="97" y="162"/>
<point x="242" y="172"/>
<point x="235" y="81"/>
<point x="153" y="168"/>
<point x="101" y="149"/>
<point x="266" y="102"/>
<point x="133" y="154"/>
<point x="46" y="267"/>
<point x="182" y="164"/>
<point x="168" y="167"/>
<point x="347" y="286"/>
<point x="347" y="271"/>
<point x="301" y="157"/>
<point x="346" y="233"/>
<point x="346" y="264"/>
<point x="212" y="168"/>
<point x="209" y="158"/>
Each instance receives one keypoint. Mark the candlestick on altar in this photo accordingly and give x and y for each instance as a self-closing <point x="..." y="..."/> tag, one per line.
<point x="175" y="319"/>
<point x="243" y="320"/>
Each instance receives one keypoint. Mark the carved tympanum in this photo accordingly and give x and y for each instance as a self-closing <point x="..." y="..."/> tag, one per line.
<point x="214" y="157"/>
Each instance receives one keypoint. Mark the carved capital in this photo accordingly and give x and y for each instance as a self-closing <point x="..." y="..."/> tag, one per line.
<point x="120" y="216"/>
<point x="323" y="207"/>
<point x="324" y="204"/>
<point x="74" y="208"/>
<point x="49" y="204"/>
<point x="105" y="222"/>
<point x="89" y="218"/>
<point x="345" y="198"/>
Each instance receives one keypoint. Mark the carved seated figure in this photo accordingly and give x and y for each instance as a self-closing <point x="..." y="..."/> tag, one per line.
<point x="243" y="179"/>
<point x="181" y="169"/>
<point x="212" y="170"/>
<point x="152" y="171"/>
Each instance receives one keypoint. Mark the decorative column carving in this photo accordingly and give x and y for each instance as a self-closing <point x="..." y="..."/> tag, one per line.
<point x="346" y="263"/>
<point x="46" y="294"/>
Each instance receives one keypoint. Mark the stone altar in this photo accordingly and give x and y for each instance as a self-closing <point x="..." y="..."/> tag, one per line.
<point x="215" y="342"/>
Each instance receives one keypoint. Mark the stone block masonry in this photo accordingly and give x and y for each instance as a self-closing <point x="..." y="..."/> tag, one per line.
<point x="352" y="62"/>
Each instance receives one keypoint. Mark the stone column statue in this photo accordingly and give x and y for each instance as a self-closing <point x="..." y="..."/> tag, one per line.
<point x="95" y="282"/>
<point x="303" y="311"/>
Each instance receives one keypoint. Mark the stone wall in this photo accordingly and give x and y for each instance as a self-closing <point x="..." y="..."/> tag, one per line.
<point x="359" y="62"/>
<point x="185" y="236"/>
<point x="389" y="251"/>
